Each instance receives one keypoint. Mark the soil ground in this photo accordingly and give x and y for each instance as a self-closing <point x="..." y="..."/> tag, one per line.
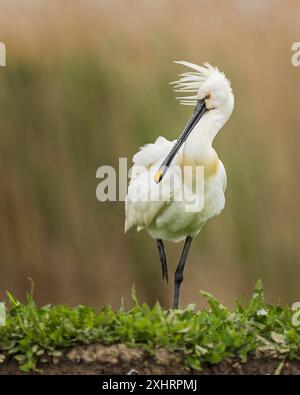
<point x="118" y="359"/>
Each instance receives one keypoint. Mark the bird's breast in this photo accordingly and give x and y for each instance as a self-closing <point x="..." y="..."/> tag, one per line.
<point x="208" y="161"/>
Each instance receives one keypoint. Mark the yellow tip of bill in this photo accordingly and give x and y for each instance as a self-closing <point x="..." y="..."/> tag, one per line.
<point x="158" y="176"/>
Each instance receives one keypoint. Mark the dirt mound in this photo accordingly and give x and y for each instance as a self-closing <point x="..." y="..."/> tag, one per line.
<point x="119" y="359"/>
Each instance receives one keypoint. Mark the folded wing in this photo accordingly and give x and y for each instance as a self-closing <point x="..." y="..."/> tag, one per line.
<point x="145" y="198"/>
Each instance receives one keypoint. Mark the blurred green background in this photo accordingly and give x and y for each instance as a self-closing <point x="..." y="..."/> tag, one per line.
<point x="86" y="82"/>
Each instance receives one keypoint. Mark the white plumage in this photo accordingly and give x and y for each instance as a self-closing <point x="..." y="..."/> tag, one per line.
<point x="169" y="220"/>
<point x="154" y="205"/>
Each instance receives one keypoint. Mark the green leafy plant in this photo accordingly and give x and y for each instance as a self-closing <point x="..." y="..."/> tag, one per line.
<point x="34" y="333"/>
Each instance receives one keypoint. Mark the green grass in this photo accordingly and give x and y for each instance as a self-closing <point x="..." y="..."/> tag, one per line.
<point x="207" y="335"/>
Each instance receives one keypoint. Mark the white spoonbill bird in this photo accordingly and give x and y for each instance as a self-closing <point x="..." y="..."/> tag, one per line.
<point x="158" y="175"/>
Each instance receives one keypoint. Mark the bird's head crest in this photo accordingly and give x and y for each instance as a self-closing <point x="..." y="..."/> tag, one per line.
<point x="204" y="81"/>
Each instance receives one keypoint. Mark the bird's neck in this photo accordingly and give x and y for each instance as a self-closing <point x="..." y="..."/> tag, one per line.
<point x="198" y="148"/>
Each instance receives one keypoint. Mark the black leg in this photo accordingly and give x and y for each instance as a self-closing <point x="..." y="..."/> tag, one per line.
<point x="179" y="271"/>
<point x="163" y="259"/>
